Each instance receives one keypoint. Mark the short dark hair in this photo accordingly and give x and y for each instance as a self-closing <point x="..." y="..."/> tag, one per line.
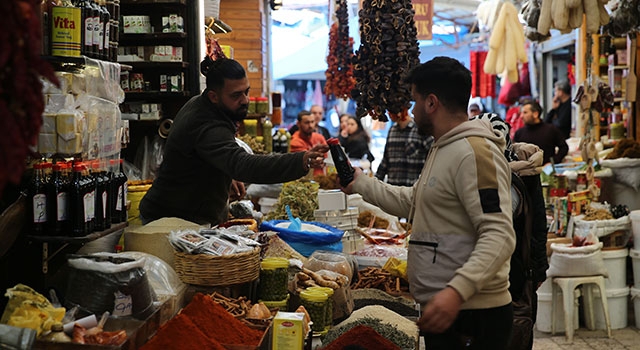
<point x="217" y="71"/>
<point x="444" y="77"/>
<point x="564" y="86"/>
<point x="535" y="106"/>
<point x="302" y="113"/>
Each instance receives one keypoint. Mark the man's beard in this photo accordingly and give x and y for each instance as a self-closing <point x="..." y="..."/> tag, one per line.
<point x="237" y="115"/>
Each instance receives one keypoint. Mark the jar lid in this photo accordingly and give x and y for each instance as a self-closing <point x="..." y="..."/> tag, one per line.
<point x="327" y="290"/>
<point x="263" y="99"/>
<point x="314" y="295"/>
<point x="274" y="263"/>
<point x="253" y="99"/>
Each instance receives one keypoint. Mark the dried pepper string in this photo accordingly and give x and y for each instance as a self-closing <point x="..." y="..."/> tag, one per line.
<point x="21" y="97"/>
<point x="340" y="81"/>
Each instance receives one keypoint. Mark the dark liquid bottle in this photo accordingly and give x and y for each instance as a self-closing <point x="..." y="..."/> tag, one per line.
<point x="89" y="199"/>
<point x="106" y="197"/>
<point x="96" y="29"/>
<point x="341" y="162"/>
<point x="58" y="195"/>
<point x="100" y="187"/>
<point x="38" y="201"/>
<point x="106" y="25"/>
<point x="87" y="27"/>
<point x="123" y="191"/>
<point x="77" y="211"/>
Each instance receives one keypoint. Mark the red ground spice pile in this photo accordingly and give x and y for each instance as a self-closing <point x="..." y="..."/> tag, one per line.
<point x="216" y="322"/>
<point x="181" y="333"/>
<point x="362" y="336"/>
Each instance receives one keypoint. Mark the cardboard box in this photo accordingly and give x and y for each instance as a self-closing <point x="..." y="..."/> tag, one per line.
<point x="332" y="200"/>
<point x="288" y="331"/>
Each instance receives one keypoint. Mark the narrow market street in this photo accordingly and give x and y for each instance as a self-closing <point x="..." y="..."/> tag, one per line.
<point x="583" y="339"/>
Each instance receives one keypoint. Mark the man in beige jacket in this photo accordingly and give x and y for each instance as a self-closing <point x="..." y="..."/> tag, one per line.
<point x="462" y="234"/>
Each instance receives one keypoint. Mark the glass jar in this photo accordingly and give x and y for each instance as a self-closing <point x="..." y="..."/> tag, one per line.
<point x="251" y="127"/>
<point x="315" y="303"/>
<point x="251" y="109"/>
<point x="262" y="105"/>
<point x="328" y="312"/>
<point x="274" y="277"/>
<point x="267" y="129"/>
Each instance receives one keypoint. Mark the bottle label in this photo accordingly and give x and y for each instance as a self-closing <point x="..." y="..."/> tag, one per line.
<point x="88" y="31"/>
<point x="122" y="304"/>
<point x="120" y="197"/>
<point x="107" y="32"/>
<point x="89" y="206"/>
<point x="104" y="204"/>
<point x="61" y="202"/>
<point x="95" y="30"/>
<point x="40" y="208"/>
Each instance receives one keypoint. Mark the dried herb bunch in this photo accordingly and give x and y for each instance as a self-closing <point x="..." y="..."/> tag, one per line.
<point x="300" y="196"/>
<point x="389" y="50"/>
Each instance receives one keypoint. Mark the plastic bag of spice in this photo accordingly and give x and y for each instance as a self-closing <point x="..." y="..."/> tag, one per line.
<point x="107" y="282"/>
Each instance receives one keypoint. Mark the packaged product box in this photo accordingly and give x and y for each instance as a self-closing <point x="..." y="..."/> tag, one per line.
<point x="67" y="125"/>
<point x="47" y="143"/>
<point x="163" y="83"/>
<point x="71" y="146"/>
<point x="227" y="50"/>
<point x="48" y="123"/>
<point x="165" y="24"/>
<point x="288" y="331"/>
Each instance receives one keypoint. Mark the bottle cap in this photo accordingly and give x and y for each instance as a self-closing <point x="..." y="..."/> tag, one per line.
<point x="333" y="141"/>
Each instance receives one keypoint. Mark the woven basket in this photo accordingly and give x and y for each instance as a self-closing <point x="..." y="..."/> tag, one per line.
<point x="210" y="270"/>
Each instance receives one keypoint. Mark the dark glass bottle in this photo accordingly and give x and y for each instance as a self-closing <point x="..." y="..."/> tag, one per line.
<point x="116" y="205"/>
<point x="123" y="190"/>
<point x="77" y="211"/>
<point x="58" y="206"/>
<point x="106" y="27"/>
<point x="106" y="195"/>
<point x="96" y="29"/>
<point x="341" y="162"/>
<point x="89" y="199"/>
<point x="100" y="188"/>
<point x="38" y="201"/>
<point x="87" y="27"/>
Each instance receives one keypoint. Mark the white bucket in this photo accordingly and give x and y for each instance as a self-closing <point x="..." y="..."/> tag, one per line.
<point x="635" y="260"/>
<point x="635" y="297"/>
<point x="266" y="204"/>
<point x="618" y="302"/>
<point x="635" y="228"/>
<point x="615" y="262"/>
<point x="543" y="315"/>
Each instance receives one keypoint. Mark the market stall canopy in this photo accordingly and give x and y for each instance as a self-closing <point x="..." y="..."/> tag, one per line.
<point x="306" y="59"/>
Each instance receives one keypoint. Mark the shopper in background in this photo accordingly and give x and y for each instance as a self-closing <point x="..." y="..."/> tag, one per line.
<point x="474" y="110"/>
<point x="343" y="132"/>
<point x="201" y="156"/>
<point x="560" y="113"/>
<point x="356" y="145"/>
<point x="404" y="153"/>
<point x="318" y="114"/>
<point x="529" y="262"/>
<point x="306" y="137"/>
<point x="544" y="135"/>
<point x="462" y="235"/>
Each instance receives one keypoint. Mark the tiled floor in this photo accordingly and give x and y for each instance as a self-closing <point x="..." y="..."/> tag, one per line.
<point x="626" y="338"/>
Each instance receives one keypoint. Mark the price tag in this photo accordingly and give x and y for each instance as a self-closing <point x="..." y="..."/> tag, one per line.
<point x="122" y="305"/>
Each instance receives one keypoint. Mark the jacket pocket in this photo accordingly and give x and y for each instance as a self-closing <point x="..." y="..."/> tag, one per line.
<point x="433" y="245"/>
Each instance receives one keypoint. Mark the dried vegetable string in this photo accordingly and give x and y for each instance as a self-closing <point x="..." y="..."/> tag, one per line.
<point x="339" y="73"/>
<point x="389" y="50"/>
<point x="21" y="98"/>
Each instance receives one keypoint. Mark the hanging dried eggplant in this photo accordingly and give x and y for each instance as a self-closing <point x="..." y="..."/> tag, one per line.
<point x="389" y="50"/>
<point x="339" y="73"/>
<point x="21" y="98"/>
<point x="624" y="19"/>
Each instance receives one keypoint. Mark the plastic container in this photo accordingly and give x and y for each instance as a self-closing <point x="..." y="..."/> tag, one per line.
<point x="282" y="305"/>
<point x="615" y="262"/>
<point x="332" y="261"/>
<point x="315" y="303"/>
<point x="635" y="265"/>
<point x="635" y="297"/>
<point x="544" y="313"/>
<point x="274" y="277"/>
<point x="328" y="315"/>
<point x="618" y="302"/>
<point x="635" y="228"/>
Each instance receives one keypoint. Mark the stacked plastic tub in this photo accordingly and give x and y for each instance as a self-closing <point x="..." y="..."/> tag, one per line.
<point x="635" y="259"/>
<point x="615" y="262"/>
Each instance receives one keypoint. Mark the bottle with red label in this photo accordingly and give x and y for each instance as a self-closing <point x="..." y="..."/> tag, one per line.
<point x="38" y="201"/>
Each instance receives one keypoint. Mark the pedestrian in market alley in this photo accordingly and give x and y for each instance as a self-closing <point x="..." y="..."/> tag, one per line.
<point x="460" y="207"/>
<point x="560" y="113"/>
<point x="307" y="137"/>
<point x="202" y="162"/>
<point x="318" y="114"/>
<point x="529" y="262"/>
<point x="544" y="135"/>
<point x="404" y="153"/>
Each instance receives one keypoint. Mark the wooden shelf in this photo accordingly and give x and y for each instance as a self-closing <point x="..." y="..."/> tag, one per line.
<point x="154" y="65"/>
<point x="156" y="94"/>
<point x="137" y="38"/>
<point x="79" y="240"/>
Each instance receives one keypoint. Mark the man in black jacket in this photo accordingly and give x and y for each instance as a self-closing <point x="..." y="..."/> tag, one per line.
<point x="560" y="113"/>
<point x="201" y="156"/>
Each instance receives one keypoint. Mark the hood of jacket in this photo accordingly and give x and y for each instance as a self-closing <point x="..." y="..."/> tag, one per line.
<point x="476" y="127"/>
<point x="529" y="161"/>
